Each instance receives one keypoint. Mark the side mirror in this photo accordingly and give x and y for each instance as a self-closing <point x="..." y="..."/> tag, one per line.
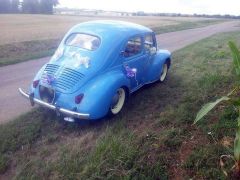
<point x="153" y="50"/>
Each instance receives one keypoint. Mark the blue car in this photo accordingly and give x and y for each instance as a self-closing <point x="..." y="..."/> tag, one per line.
<point x="96" y="67"/>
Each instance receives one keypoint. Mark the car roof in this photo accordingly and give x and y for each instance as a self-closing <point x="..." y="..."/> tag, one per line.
<point x="111" y="28"/>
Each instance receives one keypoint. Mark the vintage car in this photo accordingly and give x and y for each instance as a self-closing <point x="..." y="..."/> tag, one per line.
<point x="96" y="67"/>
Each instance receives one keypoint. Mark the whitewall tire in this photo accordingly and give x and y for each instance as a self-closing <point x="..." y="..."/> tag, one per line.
<point x="164" y="72"/>
<point x="118" y="101"/>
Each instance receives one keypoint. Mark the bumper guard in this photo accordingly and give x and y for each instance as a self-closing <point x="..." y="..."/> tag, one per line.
<point x="50" y="106"/>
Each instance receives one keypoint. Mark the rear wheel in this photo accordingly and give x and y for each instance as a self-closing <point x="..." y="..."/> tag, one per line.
<point x="118" y="101"/>
<point x="164" y="72"/>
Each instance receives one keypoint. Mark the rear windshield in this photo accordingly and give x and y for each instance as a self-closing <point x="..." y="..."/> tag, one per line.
<point x="84" y="41"/>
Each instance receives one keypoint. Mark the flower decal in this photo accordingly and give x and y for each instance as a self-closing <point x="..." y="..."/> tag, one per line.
<point x="48" y="79"/>
<point x="131" y="72"/>
<point x="80" y="60"/>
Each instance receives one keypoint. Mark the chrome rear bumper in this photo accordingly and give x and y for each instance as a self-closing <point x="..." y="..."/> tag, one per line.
<point x="50" y="106"/>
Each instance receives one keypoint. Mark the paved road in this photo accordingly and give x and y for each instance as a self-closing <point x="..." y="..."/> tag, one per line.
<point x="20" y="75"/>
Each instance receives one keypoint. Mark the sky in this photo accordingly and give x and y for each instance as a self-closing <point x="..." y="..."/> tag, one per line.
<point x="163" y="6"/>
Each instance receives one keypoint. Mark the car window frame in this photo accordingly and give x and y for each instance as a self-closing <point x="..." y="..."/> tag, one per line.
<point x="153" y="38"/>
<point x="125" y="45"/>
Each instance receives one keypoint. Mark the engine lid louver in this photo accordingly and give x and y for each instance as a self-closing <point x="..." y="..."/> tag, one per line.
<point x="66" y="78"/>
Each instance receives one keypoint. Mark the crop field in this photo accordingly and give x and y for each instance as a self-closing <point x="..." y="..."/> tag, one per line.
<point x="25" y="37"/>
<point x="19" y="28"/>
<point x="152" y="138"/>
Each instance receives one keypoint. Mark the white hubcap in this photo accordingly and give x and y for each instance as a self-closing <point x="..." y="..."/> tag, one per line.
<point x="164" y="72"/>
<point x="116" y="108"/>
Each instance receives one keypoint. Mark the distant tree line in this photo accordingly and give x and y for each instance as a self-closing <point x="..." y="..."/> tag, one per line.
<point x="28" y="6"/>
<point x="228" y="16"/>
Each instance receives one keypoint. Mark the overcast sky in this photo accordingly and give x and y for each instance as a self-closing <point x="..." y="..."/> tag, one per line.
<point x="172" y="6"/>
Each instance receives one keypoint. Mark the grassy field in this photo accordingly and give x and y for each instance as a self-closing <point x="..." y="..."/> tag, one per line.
<point x="152" y="138"/>
<point x="24" y="37"/>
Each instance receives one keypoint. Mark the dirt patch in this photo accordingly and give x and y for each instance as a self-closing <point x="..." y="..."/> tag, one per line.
<point x="197" y="139"/>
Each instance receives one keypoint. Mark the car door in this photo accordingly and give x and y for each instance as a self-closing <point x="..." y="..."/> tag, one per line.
<point x="134" y="61"/>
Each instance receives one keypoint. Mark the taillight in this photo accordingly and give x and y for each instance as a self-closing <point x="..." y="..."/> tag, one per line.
<point x="79" y="98"/>
<point x="35" y="83"/>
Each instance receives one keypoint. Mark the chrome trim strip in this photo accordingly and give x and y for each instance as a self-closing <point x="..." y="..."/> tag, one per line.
<point x="50" y="106"/>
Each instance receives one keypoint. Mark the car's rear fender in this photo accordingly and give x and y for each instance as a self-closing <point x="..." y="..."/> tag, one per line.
<point x="99" y="91"/>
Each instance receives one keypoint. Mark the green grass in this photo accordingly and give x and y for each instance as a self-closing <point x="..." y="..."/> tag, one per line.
<point x="204" y="160"/>
<point x="185" y="25"/>
<point x="153" y="137"/>
<point x="23" y="51"/>
<point x="3" y="163"/>
<point x="29" y="50"/>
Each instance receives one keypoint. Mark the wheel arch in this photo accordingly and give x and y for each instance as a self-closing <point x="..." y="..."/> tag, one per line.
<point x="168" y="61"/>
<point x="101" y="90"/>
<point x="157" y="63"/>
<point x="126" y="90"/>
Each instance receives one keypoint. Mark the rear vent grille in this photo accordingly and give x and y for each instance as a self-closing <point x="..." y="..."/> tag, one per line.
<point x="65" y="79"/>
<point x="68" y="79"/>
<point x="51" y="69"/>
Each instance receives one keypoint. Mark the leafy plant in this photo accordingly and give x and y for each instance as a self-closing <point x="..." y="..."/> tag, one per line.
<point x="236" y="102"/>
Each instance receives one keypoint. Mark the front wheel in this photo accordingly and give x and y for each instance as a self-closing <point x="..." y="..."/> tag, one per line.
<point x="118" y="101"/>
<point x="164" y="72"/>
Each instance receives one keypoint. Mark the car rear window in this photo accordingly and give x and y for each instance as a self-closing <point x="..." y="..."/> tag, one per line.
<point x="84" y="41"/>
